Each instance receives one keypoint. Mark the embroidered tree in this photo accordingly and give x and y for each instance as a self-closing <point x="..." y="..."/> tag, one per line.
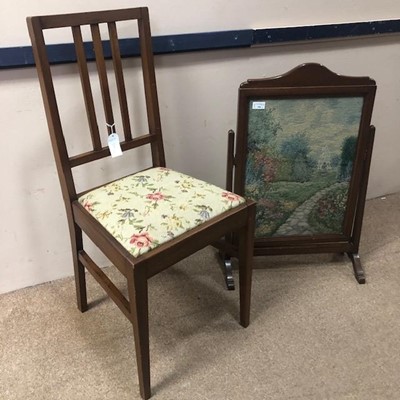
<point x="295" y="150"/>
<point x="262" y="128"/>
<point x="347" y="157"/>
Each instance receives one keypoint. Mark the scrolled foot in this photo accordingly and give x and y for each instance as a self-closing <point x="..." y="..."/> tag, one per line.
<point x="357" y="267"/>
<point x="227" y="270"/>
<point x="230" y="282"/>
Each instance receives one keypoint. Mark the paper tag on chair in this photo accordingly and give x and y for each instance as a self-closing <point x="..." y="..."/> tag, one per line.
<point x="114" y="146"/>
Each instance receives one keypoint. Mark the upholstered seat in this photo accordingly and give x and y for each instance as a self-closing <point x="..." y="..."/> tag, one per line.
<point x="149" y="208"/>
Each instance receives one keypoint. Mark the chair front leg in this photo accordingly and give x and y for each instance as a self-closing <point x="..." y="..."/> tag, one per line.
<point x="246" y="249"/>
<point x="138" y="299"/>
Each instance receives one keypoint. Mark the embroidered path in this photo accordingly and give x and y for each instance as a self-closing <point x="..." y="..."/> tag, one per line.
<point x="297" y="223"/>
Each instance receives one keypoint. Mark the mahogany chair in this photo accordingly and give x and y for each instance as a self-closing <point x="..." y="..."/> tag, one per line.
<point x="149" y="220"/>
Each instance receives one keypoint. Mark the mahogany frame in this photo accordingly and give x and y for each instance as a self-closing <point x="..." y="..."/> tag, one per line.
<point x="310" y="80"/>
<point x="138" y="270"/>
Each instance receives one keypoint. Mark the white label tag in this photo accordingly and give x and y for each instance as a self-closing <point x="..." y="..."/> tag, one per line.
<point x="258" y="105"/>
<point x="114" y="146"/>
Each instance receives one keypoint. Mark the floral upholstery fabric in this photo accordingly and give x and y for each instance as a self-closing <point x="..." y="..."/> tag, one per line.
<point x="149" y="208"/>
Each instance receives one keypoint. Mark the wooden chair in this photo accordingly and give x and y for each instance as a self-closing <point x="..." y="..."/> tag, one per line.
<point x="149" y="220"/>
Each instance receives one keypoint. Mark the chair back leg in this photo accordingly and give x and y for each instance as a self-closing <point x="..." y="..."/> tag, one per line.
<point x="79" y="269"/>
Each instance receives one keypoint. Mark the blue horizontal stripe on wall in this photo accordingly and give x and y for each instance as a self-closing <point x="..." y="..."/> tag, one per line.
<point x="14" y="57"/>
<point x="321" y="32"/>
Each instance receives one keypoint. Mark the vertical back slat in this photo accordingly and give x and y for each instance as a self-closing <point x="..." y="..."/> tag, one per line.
<point x="119" y="77"/>
<point x="86" y="87"/>
<point x="153" y="113"/>
<point x="102" y="71"/>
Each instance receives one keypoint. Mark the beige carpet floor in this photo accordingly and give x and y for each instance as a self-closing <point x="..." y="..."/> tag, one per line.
<point x="315" y="333"/>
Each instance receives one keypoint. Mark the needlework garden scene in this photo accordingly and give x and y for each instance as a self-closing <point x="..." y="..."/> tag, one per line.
<point x="300" y="155"/>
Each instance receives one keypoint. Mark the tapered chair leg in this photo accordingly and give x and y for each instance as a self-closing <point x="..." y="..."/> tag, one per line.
<point x="246" y="249"/>
<point x="138" y="299"/>
<point x="79" y="269"/>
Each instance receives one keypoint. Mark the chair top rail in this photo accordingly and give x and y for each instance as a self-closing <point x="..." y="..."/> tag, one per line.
<point x="87" y="18"/>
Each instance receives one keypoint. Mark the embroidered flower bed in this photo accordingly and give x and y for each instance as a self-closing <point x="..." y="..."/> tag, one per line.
<point x="327" y="215"/>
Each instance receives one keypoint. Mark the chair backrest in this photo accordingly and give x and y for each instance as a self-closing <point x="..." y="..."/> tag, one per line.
<point x="96" y="21"/>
